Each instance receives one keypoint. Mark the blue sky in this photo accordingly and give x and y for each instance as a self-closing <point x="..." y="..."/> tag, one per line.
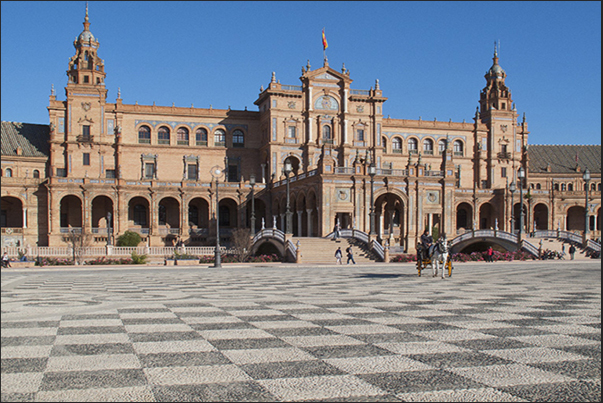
<point x="430" y="57"/>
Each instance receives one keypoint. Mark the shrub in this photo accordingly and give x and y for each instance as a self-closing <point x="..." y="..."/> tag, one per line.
<point x="183" y="256"/>
<point x="404" y="258"/>
<point x="105" y="261"/>
<point x="138" y="259"/>
<point x="129" y="238"/>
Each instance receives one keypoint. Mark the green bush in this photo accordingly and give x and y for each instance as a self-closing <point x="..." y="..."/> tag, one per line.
<point x="129" y="238"/>
<point x="138" y="259"/>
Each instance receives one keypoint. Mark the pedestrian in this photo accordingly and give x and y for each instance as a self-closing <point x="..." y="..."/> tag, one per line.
<point x="336" y="231"/>
<point x="572" y="251"/>
<point x="490" y="254"/>
<point x="5" y="260"/>
<point x="350" y="255"/>
<point x="338" y="256"/>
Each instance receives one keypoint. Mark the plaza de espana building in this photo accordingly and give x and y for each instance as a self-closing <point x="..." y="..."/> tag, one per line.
<point x="154" y="169"/>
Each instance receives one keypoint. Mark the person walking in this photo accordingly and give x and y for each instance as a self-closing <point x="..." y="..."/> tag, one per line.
<point x="336" y="231"/>
<point x="5" y="260"/>
<point x="490" y="254"/>
<point x="572" y="251"/>
<point x="350" y="255"/>
<point x="338" y="256"/>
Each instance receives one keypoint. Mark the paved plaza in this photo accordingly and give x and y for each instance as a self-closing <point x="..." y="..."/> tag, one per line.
<point x="513" y="331"/>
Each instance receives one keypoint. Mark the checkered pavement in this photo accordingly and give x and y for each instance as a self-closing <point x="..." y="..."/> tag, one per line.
<point x="491" y="332"/>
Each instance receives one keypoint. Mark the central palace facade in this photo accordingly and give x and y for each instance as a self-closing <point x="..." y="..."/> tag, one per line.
<point x="148" y="168"/>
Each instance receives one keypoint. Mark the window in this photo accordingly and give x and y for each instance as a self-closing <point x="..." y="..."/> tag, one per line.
<point x="61" y="172"/>
<point x="457" y="148"/>
<point x="412" y="146"/>
<point x="201" y="137"/>
<point x="144" y="135"/>
<point x="503" y="172"/>
<point x="484" y="184"/>
<point x="224" y="216"/>
<point x="219" y="138"/>
<point x="238" y="139"/>
<point x="162" y="214"/>
<point x="140" y="215"/>
<point x="359" y="134"/>
<point x="441" y="146"/>
<point x="503" y="148"/>
<point x="193" y="215"/>
<point x="149" y="170"/>
<point x="233" y="173"/>
<point x="397" y="145"/>
<point x="163" y="135"/>
<point x="428" y="147"/>
<point x="8" y="173"/>
<point x="86" y="79"/>
<point x="110" y="173"/>
<point x="563" y="186"/>
<point x="182" y="136"/>
<point x="86" y="160"/>
<point x="36" y="173"/>
<point x="570" y="187"/>
<point x="192" y="172"/>
<point x="326" y="135"/>
<point x="291" y="132"/>
<point x="86" y="132"/>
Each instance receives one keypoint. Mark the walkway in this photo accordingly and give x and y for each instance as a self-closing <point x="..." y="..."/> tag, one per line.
<point x="513" y="331"/>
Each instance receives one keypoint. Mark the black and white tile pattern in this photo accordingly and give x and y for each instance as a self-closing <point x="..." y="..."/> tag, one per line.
<point x="492" y="332"/>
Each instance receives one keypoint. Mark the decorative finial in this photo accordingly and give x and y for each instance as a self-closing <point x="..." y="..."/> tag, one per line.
<point x="343" y="68"/>
<point x="377" y="84"/>
<point x="524" y="117"/>
<point x="118" y="93"/>
<point x="308" y="65"/>
<point x="86" y="18"/>
<point x="52" y="90"/>
<point x="495" y="50"/>
<point x="273" y="79"/>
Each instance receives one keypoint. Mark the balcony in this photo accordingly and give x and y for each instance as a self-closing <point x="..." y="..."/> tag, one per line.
<point x="85" y="138"/>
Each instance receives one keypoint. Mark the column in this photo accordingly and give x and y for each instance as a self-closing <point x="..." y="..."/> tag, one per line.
<point x="282" y="215"/>
<point x="309" y="130"/>
<point x="309" y="211"/>
<point x="25" y="217"/>
<point x="299" y="222"/>
<point x="430" y="220"/>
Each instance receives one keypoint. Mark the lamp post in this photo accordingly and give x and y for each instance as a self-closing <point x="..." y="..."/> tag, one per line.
<point x="288" y="223"/>
<point x="252" y="183"/>
<point x="109" y="229"/>
<point x="521" y="174"/>
<point x="372" y="170"/>
<point x="512" y="189"/>
<point x="586" y="177"/>
<point x="216" y="172"/>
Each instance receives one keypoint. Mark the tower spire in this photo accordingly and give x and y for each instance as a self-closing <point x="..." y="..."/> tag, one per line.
<point x="86" y="20"/>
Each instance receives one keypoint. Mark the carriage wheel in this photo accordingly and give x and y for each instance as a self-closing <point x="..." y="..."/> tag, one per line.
<point x="419" y="263"/>
<point x="449" y="266"/>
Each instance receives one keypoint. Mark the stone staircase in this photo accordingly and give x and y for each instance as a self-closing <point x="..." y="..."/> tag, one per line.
<point x="556" y="245"/>
<point x="322" y="250"/>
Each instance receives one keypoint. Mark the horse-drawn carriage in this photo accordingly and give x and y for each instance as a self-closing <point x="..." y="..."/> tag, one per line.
<point x="437" y="256"/>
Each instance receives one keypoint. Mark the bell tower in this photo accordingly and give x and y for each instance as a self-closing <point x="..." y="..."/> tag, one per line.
<point x="86" y="70"/>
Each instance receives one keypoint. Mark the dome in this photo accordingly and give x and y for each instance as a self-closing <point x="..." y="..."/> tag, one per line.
<point x="85" y="36"/>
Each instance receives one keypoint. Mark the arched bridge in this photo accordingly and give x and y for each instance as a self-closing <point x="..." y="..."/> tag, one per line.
<point x="505" y="239"/>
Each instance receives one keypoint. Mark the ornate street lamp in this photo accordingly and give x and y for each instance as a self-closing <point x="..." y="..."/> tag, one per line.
<point x="289" y="214"/>
<point x="512" y="189"/>
<point x="216" y="172"/>
<point x="520" y="175"/>
<point x="109" y="229"/>
<point x="252" y="183"/>
<point x="586" y="177"/>
<point x="372" y="170"/>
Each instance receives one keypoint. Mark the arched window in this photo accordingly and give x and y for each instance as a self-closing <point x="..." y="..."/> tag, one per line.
<point x="570" y="187"/>
<point x="384" y="143"/>
<point x="457" y="148"/>
<point x="593" y="186"/>
<point x="397" y="145"/>
<point x="556" y="187"/>
<point x="326" y="134"/>
<point x="538" y="186"/>
<point x="36" y="173"/>
<point x="219" y="138"/>
<point x="201" y="136"/>
<point x="412" y="146"/>
<point x="238" y="139"/>
<point x="428" y="147"/>
<point x="182" y="136"/>
<point x="8" y="173"/>
<point x="144" y="135"/>
<point x="441" y="146"/>
<point x="563" y="186"/>
<point x="163" y="135"/>
<point x="140" y="215"/>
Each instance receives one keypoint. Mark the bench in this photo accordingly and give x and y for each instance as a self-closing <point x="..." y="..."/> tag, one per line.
<point x="20" y="265"/>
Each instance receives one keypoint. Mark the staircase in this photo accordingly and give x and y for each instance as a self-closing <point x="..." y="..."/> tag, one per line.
<point x="556" y="245"/>
<point x="322" y="250"/>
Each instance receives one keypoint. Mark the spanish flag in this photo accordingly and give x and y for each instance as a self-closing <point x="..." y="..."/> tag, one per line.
<point x="325" y="45"/>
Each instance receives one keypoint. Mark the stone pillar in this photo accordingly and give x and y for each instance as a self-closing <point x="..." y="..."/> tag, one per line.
<point x="299" y="222"/>
<point x="309" y="211"/>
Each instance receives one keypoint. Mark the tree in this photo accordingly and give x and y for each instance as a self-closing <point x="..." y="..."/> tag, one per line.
<point x="129" y="238"/>
<point x="78" y="242"/>
<point x="242" y="244"/>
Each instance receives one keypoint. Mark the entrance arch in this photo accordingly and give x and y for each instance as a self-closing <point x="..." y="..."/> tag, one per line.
<point x="101" y="206"/>
<point x="71" y="212"/>
<point x="486" y="216"/>
<point x="11" y="215"/>
<point x="464" y="212"/>
<point x="541" y="215"/>
<point x="575" y="218"/>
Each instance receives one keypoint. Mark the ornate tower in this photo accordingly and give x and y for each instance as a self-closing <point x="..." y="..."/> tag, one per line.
<point x="500" y="147"/>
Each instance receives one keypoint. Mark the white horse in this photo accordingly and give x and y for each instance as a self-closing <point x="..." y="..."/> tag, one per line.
<point x="439" y="256"/>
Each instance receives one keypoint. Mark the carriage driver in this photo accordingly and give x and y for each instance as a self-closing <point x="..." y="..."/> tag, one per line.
<point x="426" y="243"/>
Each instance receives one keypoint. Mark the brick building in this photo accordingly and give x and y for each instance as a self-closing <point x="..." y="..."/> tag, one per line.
<point x="106" y="167"/>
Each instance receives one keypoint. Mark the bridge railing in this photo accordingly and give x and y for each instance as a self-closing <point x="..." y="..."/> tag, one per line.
<point x="291" y="249"/>
<point x="596" y="246"/>
<point x="528" y="247"/>
<point x="377" y="249"/>
<point x="270" y="233"/>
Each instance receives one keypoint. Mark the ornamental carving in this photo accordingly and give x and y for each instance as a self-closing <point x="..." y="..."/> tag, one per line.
<point x="86" y="106"/>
